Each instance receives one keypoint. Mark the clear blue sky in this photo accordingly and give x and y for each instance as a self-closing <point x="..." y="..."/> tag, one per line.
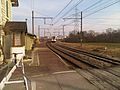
<point x="100" y="21"/>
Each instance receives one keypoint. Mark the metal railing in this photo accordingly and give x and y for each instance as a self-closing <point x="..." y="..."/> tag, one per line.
<point x="17" y="63"/>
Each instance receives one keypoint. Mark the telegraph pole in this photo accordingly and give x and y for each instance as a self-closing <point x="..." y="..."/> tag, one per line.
<point x="32" y="22"/>
<point x="81" y="40"/>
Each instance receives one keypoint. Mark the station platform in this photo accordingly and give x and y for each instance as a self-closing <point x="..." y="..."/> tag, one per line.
<point x="47" y="71"/>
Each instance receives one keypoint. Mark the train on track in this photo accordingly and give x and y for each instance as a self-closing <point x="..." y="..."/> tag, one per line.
<point x="53" y="40"/>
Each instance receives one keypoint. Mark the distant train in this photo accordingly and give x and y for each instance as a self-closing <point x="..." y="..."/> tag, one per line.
<point x="53" y="39"/>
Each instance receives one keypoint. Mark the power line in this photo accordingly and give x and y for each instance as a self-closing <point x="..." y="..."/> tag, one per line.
<point x="101" y="9"/>
<point x="105" y="18"/>
<point x="80" y="1"/>
<point x="98" y="5"/>
<point x="92" y="5"/>
<point x="63" y="9"/>
<point x="67" y="23"/>
<point x="109" y="24"/>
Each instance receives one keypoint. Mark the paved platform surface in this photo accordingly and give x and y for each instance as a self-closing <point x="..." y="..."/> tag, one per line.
<point x="56" y="81"/>
<point x="47" y="72"/>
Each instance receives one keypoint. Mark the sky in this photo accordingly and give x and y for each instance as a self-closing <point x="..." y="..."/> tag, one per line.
<point x="99" y="22"/>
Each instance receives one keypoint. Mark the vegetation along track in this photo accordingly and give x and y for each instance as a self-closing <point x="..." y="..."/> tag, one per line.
<point x="82" y="59"/>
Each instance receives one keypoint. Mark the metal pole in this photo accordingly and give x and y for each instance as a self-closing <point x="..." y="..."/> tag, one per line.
<point x="44" y="32"/>
<point x="39" y="31"/>
<point x="81" y="40"/>
<point x="32" y="22"/>
<point x="63" y="31"/>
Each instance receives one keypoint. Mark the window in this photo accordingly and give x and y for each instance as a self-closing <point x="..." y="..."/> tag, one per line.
<point x="17" y="39"/>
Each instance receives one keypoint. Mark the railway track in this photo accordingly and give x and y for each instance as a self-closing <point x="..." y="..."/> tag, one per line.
<point x="93" y="55"/>
<point x="84" y="58"/>
<point x="96" y="71"/>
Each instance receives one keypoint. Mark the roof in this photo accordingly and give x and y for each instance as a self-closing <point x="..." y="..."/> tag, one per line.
<point x="15" y="3"/>
<point x="13" y="26"/>
<point x="32" y="35"/>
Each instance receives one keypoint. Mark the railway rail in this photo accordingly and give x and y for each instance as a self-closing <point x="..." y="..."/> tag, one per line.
<point x="93" y="55"/>
<point x="96" y="66"/>
<point x="84" y="58"/>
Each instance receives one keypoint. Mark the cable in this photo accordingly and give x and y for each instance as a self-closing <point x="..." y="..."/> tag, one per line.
<point x="80" y="1"/>
<point x="105" y="3"/>
<point x="92" y="5"/>
<point x="69" y="23"/>
<point x="88" y="7"/>
<point x="102" y="9"/>
<point x="105" y="18"/>
<point x="73" y="7"/>
<point x="63" y="9"/>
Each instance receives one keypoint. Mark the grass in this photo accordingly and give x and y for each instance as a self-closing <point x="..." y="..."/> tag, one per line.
<point x="113" y="49"/>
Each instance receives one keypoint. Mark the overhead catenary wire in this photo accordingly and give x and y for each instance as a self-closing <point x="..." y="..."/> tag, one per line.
<point x="92" y="5"/>
<point x="104" y="18"/>
<point x="102" y="4"/>
<point x="63" y="9"/>
<point x="106" y="6"/>
<point x="80" y="1"/>
<point x="98" y="9"/>
<point x="102" y="8"/>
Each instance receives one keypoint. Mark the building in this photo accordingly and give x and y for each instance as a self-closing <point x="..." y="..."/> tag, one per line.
<point x="15" y="33"/>
<point x="29" y="41"/>
<point x="17" y="36"/>
<point x="5" y="15"/>
<point x="5" y="12"/>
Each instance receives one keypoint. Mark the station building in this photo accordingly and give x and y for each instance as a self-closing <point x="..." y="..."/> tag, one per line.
<point x="5" y="15"/>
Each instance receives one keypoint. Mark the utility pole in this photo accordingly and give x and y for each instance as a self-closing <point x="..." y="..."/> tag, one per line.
<point x="32" y="22"/>
<point x="76" y="21"/>
<point x="33" y="18"/>
<point x="39" y="31"/>
<point x="44" y="18"/>
<point x="63" y="31"/>
<point x="44" y="32"/>
<point x="81" y="40"/>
